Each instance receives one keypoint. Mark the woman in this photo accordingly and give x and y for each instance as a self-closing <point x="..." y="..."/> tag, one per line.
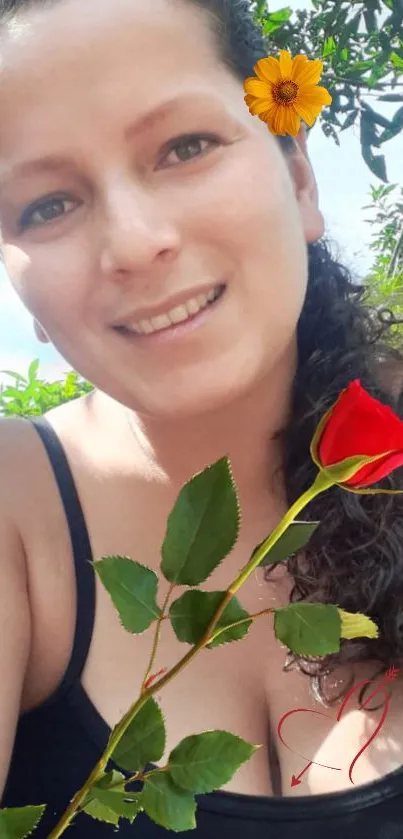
<point x="172" y="249"/>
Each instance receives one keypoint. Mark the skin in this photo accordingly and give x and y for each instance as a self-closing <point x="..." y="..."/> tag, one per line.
<point x="139" y="225"/>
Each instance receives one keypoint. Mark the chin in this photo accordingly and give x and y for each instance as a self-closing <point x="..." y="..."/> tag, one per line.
<point x="189" y="401"/>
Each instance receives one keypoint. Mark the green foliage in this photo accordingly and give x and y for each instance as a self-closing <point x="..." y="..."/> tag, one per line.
<point x="168" y="805"/>
<point x="191" y="614"/>
<point x="112" y="805"/>
<point x="361" y="46"/>
<point x="363" y="57"/>
<point x="144" y="739"/>
<point x="205" y="762"/>
<point x="202" y="527"/>
<point x="293" y="539"/>
<point x="133" y="589"/>
<point x="308" y="628"/>
<point x="19" y="822"/>
<point x="384" y="280"/>
<point x="32" y="396"/>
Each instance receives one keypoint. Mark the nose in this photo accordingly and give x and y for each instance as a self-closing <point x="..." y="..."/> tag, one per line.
<point x="136" y="232"/>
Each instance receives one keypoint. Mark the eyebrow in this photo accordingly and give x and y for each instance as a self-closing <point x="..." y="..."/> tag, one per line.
<point x="146" y="120"/>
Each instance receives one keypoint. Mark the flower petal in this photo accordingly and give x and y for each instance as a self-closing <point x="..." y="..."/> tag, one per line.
<point x="362" y="422"/>
<point x="257" y="88"/>
<point x="298" y="65"/>
<point x="310" y="73"/>
<point x="268" y="70"/>
<point x="374" y="472"/>
<point x="315" y="95"/>
<point x="294" y="122"/>
<point x="258" y="106"/>
<point x="307" y="112"/>
<point x="284" y="120"/>
<point x="285" y="64"/>
<point x="266" y="116"/>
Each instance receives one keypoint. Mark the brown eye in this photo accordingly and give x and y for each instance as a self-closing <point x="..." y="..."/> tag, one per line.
<point x="47" y="211"/>
<point x="190" y="146"/>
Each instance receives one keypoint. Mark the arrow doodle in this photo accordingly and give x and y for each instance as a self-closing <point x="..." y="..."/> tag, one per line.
<point x="389" y="676"/>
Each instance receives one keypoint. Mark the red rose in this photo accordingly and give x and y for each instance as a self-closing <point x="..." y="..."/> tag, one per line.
<point x="356" y="425"/>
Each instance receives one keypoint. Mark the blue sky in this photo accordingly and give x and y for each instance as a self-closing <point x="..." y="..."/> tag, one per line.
<point x="344" y="187"/>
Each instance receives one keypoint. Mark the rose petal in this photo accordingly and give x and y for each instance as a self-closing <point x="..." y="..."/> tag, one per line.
<point x="374" y="472"/>
<point x="359" y="424"/>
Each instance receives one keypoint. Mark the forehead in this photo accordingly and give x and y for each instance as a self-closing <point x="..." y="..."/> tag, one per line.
<point x="57" y="26"/>
<point x="81" y="50"/>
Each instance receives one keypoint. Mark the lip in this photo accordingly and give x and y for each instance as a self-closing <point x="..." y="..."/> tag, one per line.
<point x="146" y="313"/>
<point x="175" y="332"/>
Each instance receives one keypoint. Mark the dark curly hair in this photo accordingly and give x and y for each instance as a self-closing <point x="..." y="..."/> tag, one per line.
<point x="355" y="558"/>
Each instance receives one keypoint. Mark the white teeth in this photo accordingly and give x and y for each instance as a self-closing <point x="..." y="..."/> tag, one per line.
<point x="145" y="326"/>
<point x="160" y="322"/>
<point x="192" y="306"/>
<point x="176" y="315"/>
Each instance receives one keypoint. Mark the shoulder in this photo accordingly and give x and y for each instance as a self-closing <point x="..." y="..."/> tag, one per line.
<point x="16" y="437"/>
<point x="389" y="375"/>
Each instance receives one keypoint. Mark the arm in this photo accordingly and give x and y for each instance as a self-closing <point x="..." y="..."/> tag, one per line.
<point x="15" y="627"/>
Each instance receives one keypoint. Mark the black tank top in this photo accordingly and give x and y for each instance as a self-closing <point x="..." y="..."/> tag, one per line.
<point x="57" y="745"/>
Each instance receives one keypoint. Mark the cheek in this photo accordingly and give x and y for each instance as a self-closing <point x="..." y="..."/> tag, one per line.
<point x="49" y="288"/>
<point x="253" y="217"/>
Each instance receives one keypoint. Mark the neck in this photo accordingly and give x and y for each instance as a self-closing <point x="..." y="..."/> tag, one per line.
<point x="171" y="451"/>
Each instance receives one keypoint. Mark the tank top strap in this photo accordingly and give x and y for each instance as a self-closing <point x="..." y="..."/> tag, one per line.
<point x="82" y="551"/>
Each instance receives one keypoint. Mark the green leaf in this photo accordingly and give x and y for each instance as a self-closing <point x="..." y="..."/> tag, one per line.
<point x="350" y="120"/>
<point x="144" y="740"/>
<point x="329" y="46"/>
<point x="373" y="116"/>
<point x="396" y="60"/>
<point x="168" y="805"/>
<point x="308" y="628"/>
<point x="391" y="97"/>
<point x="32" y="370"/>
<point x="202" y="527"/>
<point x="377" y="164"/>
<point x="204" y="762"/>
<point x="191" y="614"/>
<point x="281" y="14"/>
<point x="16" y="376"/>
<point x="298" y="533"/>
<point x="18" y="822"/>
<point x="133" y="589"/>
<point x="111" y="805"/>
<point x="111" y="779"/>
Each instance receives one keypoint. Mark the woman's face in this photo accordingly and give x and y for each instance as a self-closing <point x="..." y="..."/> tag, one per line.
<point x="123" y="217"/>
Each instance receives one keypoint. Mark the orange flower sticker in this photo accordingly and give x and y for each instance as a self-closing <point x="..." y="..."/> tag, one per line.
<point x="285" y="91"/>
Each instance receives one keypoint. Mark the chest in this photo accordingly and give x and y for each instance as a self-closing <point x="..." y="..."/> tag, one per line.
<point x="244" y="688"/>
<point x="241" y="687"/>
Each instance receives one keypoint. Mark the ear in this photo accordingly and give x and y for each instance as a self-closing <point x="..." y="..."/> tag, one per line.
<point x="306" y="188"/>
<point x="40" y="333"/>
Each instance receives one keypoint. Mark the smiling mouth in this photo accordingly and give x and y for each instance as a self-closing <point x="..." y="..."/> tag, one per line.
<point x="178" y="316"/>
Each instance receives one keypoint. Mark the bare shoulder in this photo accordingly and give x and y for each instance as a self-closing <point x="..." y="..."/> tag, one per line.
<point x="32" y="513"/>
<point x="16" y="439"/>
<point x="389" y="374"/>
<point x="23" y="460"/>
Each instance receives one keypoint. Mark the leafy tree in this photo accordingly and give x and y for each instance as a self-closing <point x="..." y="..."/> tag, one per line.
<point x="363" y="56"/>
<point x="385" y="277"/>
<point x="31" y="396"/>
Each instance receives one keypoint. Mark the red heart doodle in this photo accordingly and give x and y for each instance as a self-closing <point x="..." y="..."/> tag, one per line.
<point x="389" y="676"/>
